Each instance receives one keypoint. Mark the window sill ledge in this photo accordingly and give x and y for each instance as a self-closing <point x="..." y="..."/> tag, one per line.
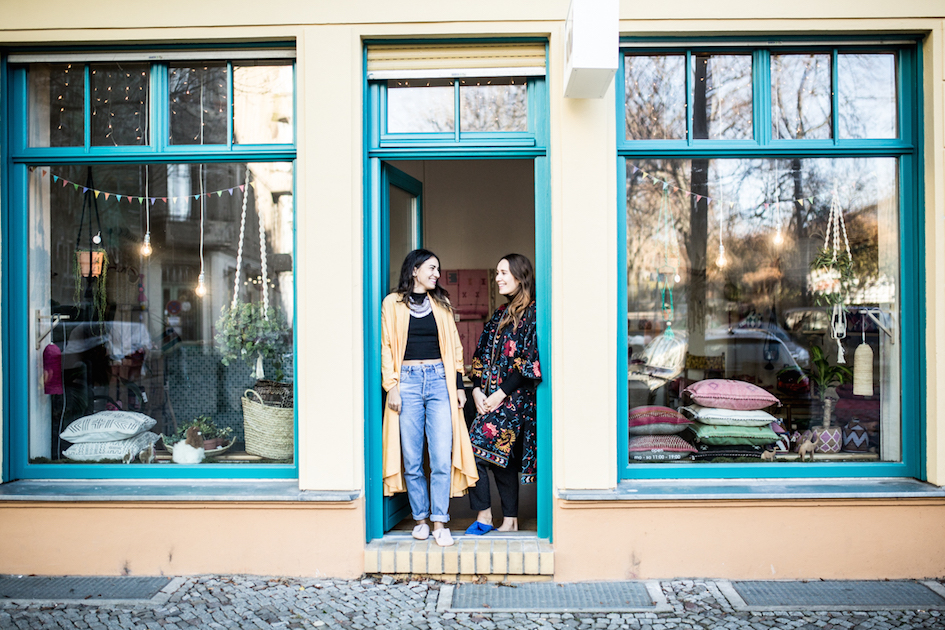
<point x="764" y="489"/>
<point x="210" y="490"/>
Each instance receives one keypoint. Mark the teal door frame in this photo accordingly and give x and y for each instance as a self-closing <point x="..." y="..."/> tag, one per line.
<point x="533" y="146"/>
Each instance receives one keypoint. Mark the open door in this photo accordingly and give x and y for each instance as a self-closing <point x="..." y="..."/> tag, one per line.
<point x="401" y="197"/>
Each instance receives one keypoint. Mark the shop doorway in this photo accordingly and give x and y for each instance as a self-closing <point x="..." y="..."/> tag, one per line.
<point x="473" y="213"/>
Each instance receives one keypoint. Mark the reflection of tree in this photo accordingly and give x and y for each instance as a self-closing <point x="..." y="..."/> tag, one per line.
<point x="494" y="107"/>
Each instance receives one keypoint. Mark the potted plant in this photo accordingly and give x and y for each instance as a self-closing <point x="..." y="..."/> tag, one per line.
<point x="247" y="332"/>
<point x="91" y="265"/>
<point x="824" y="378"/>
<point x="213" y="436"/>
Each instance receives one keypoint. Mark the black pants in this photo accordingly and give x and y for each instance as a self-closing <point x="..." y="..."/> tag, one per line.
<point x="506" y="480"/>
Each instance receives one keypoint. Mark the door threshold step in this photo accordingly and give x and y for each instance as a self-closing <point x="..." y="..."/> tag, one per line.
<point x="492" y="557"/>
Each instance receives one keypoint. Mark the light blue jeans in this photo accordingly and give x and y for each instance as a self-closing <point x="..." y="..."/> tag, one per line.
<point x="426" y="408"/>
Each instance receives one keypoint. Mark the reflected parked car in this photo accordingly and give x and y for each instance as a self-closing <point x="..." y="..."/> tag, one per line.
<point x="753" y="329"/>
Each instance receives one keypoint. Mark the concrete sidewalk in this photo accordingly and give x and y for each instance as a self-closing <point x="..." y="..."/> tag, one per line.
<point x="259" y="602"/>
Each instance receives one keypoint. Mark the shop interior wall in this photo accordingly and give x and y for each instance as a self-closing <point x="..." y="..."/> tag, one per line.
<point x="475" y="211"/>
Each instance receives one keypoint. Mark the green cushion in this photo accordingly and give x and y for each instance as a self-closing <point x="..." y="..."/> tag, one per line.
<point x="721" y="434"/>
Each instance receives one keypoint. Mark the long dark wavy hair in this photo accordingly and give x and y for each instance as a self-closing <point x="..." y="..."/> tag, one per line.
<point x="415" y="259"/>
<point x="521" y="269"/>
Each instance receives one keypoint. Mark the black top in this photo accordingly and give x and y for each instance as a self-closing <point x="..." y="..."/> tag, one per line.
<point x="422" y="338"/>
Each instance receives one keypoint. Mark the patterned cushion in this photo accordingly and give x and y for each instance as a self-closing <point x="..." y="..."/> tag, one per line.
<point x="656" y="420"/>
<point x="731" y="451"/>
<point x="724" y="434"/>
<point x="736" y="417"/>
<point x="659" y="447"/>
<point x="114" y="450"/>
<point x="107" y="426"/>
<point x="728" y="394"/>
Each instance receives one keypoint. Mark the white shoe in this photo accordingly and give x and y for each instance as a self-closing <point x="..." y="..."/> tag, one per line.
<point x="443" y="537"/>
<point x="421" y="531"/>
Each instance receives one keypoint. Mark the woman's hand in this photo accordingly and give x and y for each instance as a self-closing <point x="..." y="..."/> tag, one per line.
<point x="461" y="398"/>
<point x="393" y="398"/>
<point x="494" y="400"/>
<point x="479" y="399"/>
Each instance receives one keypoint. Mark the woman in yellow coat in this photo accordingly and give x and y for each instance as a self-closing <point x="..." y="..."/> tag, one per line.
<point x="422" y="370"/>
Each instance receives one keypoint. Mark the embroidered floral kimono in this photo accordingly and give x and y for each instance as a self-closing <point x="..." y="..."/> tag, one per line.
<point x="497" y="356"/>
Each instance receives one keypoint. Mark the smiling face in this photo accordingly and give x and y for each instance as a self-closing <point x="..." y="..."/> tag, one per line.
<point x="507" y="283"/>
<point x="426" y="275"/>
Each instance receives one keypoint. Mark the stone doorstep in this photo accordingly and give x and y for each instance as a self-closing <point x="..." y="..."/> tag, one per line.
<point x="495" y="558"/>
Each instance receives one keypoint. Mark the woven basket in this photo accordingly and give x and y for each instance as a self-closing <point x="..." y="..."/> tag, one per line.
<point x="269" y="431"/>
<point x="274" y="393"/>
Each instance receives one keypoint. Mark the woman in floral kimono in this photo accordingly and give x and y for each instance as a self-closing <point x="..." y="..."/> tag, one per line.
<point x="505" y="373"/>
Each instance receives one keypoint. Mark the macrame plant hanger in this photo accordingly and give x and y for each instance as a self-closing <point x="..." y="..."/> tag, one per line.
<point x="258" y="373"/>
<point x="836" y="228"/>
<point x="90" y="201"/>
<point x="863" y="364"/>
<point x="667" y="274"/>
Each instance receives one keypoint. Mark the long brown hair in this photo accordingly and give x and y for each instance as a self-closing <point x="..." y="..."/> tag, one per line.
<point x="521" y="269"/>
<point x="415" y="259"/>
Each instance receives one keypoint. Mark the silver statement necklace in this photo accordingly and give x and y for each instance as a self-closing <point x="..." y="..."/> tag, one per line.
<point x="424" y="308"/>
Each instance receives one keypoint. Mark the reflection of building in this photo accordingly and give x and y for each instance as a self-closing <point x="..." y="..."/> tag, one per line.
<point x="304" y="112"/>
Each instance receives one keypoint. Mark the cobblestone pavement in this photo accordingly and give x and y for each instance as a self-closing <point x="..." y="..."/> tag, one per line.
<point x="257" y="602"/>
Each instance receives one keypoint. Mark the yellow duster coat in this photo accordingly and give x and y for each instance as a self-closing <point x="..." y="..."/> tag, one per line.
<point x="395" y="321"/>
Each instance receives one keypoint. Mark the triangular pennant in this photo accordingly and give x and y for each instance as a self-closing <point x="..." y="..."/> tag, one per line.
<point x="118" y="197"/>
<point x="241" y="187"/>
<point x="64" y="182"/>
<point x="731" y="204"/>
<point x="55" y="178"/>
<point x="230" y="191"/>
<point x="634" y="168"/>
<point x="153" y="200"/>
<point x="164" y="199"/>
<point x="140" y="200"/>
<point x="688" y="193"/>
<point x="219" y="193"/>
<point x="44" y="172"/>
<point x="675" y="188"/>
<point x="708" y="199"/>
<point x="766" y="206"/>
<point x="698" y="198"/>
<point x="665" y="185"/>
<point x="253" y="184"/>
<point x="810" y="200"/>
<point x="84" y="189"/>
<point x="106" y="196"/>
<point x="196" y="197"/>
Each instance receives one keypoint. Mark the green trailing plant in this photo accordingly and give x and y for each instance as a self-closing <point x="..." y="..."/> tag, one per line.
<point x="208" y="430"/>
<point x="244" y="332"/>
<point x="823" y="375"/>
<point x="837" y="273"/>
<point x="97" y="283"/>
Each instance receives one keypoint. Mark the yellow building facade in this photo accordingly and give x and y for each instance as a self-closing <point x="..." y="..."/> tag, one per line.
<point x="601" y="516"/>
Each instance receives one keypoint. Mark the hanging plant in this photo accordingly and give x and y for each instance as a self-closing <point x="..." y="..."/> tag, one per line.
<point x="91" y="265"/>
<point x="247" y="331"/>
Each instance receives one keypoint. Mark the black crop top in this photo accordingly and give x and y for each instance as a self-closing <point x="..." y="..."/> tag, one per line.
<point x="423" y="341"/>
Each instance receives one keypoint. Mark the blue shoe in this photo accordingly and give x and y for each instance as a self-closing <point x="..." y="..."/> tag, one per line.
<point x="478" y="529"/>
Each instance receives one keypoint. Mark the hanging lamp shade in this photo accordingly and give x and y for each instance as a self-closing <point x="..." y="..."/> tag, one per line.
<point x="863" y="370"/>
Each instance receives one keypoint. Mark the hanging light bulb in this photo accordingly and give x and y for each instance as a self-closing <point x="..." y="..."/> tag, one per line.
<point x="201" y="289"/>
<point x="676" y="278"/>
<point x="721" y="261"/>
<point x="778" y="239"/>
<point x="97" y="239"/>
<point x="146" y="249"/>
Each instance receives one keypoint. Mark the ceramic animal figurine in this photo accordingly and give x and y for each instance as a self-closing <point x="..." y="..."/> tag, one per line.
<point x="147" y="455"/>
<point x="807" y="446"/>
<point x="768" y="456"/>
<point x="190" y="451"/>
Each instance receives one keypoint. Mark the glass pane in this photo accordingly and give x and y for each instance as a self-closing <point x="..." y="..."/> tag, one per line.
<point x="800" y="96"/>
<point x="198" y="97"/>
<point x="263" y="103"/>
<point x="139" y="336"/>
<point x="55" y="105"/>
<point x="867" y="95"/>
<point x="119" y="103"/>
<point x="403" y="229"/>
<point x="497" y="104"/>
<point x="728" y="278"/>
<point x="721" y="97"/>
<point x="420" y="106"/>
<point x="655" y="97"/>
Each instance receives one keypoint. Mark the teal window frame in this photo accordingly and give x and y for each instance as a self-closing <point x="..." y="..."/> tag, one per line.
<point x="15" y="165"/>
<point x="907" y="148"/>
<point x="379" y="146"/>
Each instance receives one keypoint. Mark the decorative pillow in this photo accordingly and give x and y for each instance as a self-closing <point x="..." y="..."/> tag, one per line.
<point x="729" y="394"/>
<point x="736" y="417"/>
<point x="725" y="434"/>
<point x="116" y="449"/>
<point x="659" y="447"/>
<point x="107" y="426"/>
<point x="656" y="420"/>
<point x="707" y="452"/>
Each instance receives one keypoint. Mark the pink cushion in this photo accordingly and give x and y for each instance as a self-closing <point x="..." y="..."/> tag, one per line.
<point x="654" y="419"/>
<point x="728" y="394"/>
<point x="670" y="443"/>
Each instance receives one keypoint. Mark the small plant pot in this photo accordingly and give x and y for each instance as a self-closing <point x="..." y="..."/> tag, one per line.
<point x="213" y="443"/>
<point x="90" y="262"/>
<point x="830" y="440"/>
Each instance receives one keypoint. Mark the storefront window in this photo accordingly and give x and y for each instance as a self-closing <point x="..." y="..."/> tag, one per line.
<point x="160" y="280"/>
<point x="420" y="106"/>
<point x="143" y="338"/>
<point x="498" y="104"/>
<point x="764" y="294"/>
